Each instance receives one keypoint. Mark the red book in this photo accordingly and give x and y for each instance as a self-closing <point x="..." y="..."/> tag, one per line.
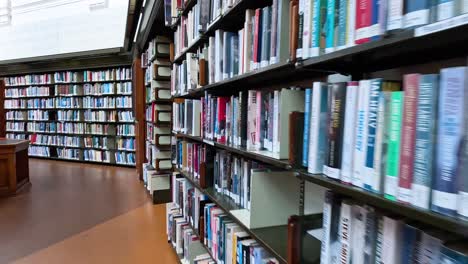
<point x="221" y="119"/>
<point x="153" y="106"/>
<point x="408" y="137"/>
<point x="256" y="40"/>
<point x="363" y="21"/>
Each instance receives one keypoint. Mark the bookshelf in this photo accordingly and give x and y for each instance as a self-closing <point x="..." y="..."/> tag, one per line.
<point x="84" y="115"/>
<point x="2" y="109"/>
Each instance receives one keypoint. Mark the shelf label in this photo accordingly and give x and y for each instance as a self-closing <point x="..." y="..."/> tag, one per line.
<point x="441" y="25"/>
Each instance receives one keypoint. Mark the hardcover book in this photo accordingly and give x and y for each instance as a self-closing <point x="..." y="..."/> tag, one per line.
<point x="307" y="109"/>
<point x="463" y="161"/>
<point x="352" y="94"/>
<point x="318" y="128"/>
<point x="318" y="37"/>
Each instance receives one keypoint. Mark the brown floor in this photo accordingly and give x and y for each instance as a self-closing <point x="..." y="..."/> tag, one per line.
<point x="80" y="213"/>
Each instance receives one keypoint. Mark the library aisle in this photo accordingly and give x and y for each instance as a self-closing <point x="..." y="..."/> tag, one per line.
<point x="82" y="213"/>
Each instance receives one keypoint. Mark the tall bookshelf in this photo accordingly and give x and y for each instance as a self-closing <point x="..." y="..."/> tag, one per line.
<point x="426" y="48"/>
<point x="82" y="115"/>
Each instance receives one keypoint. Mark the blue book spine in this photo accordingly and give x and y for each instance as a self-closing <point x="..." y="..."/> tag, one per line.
<point x="452" y="83"/>
<point x="342" y="19"/>
<point x="318" y="11"/>
<point x="425" y="140"/>
<point x="330" y="25"/>
<point x="375" y="27"/>
<point x="416" y="13"/>
<point x="445" y="9"/>
<point x="305" y="146"/>
<point x="409" y="240"/>
<point x="239" y="252"/>
<point x="451" y="256"/>
<point x="373" y="109"/>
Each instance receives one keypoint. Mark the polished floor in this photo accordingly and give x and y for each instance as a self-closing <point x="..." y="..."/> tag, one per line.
<point x="80" y="213"/>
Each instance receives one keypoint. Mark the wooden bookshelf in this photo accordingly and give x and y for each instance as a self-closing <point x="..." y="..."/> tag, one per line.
<point x="53" y="114"/>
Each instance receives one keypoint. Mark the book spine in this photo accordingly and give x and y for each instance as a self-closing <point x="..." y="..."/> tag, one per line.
<point x="305" y="147"/>
<point x="416" y="13"/>
<point x="330" y="25"/>
<point x="258" y="116"/>
<point x="276" y="102"/>
<point x="464" y="6"/>
<point x="352" y="94"/>
<point x="370" y="235"/>
<point x="318" y="10"/>
<point x="370" y="183"/>
<point x="326" y="224"/>
<point x="395" y="14"/>
<point x="251" y="119"/>
<point x="336" y="107"/>
<point x="299" y="53"/>
<point x="318" y="126"/>
<point x="363" y="21"/>
<point x="381" y="141"/>
<point x="274" y="32"/>
<point x="379" y="247"/>
<point x="393" y="155"/>
<point x="358" y="228"/>
<point x="345" y="233"/>
<point x="361" y="134"/>
<point x="392" y="233"/>
<point x="351" y="23"/>
<point x="425" y="140"/>
<point x="306" y="29"/>
<point x="451" y="96"/>
<point x="342" y="19"/>
<point x="374" y="29"/>
<point x="463" y="160"/>
<point x="445" y="9"/>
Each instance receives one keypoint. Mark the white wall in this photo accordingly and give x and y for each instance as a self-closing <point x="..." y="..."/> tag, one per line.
<point x="63" y="26"/>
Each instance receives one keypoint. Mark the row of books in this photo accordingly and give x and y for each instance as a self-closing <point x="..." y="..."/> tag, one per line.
<point x="125" y="116"/>
<point x="68" y="102"/>
<point x="33" y="91"/>
<point x="39" y="151"/>
<point x="30" y="103"/>
<point x="125" y="158"/>
<point x="31" y="115"/>
<point x="97" y="155"/>
<point x="53" y="140"/>
<point x="124" y="101"/>
<point x="99" y="102"/>
<point x="69" y="115"/>
<point x="15" y="136"/>
<point x="329" y="25"/>
<point x="159" y="157"/>
<point x="126" y="144"/>
<point x="96" y="89"/>
<point x="30" y="79"/>
<point x="159" y="47"/>
<point x="37" y="115"/>
<point x="68" y="76"/>
<point x="158" y="91"/>
<point x="100" y="116"/>
<point x="408" y="145"/>
<point x="15" y="126"/>
<point x="126" y="130"/>
<point x="108" y="75"/>
<point x="158" y="113"/>
<point x="226" y="241"/>
<point x="355" y="233"/>
<point x="70" y="154"/>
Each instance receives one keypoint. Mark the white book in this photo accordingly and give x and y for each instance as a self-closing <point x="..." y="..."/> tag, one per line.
<point x="307" y="29"/>
<point x="445" y="10"/>
<point x="248" y="41"/>
<point x="429" y="248"/>
<point x="346" y="232"/>
<point x="219" y="55"/>
<point x="226" y="51"/>
<point x="196" y="118"/>
<point x="318" y="126"/>
<point x="241" y="52"/>
<point x="360" y="147"/>
<point x="211" y="60"/>
<point x="416" y="18"/>
<point x="326" y="222"/>
<point x="352" y="94"/>
<point x="395" y="14"/>
<point x="276" y="123"/>
<point x="351" y="23"/>
<point x="186" y="124"/>
<point x="381" y="141"/>
<point x="359" y="230"/>
<point x="291" y="100"/>
<point x="392" y="236"/>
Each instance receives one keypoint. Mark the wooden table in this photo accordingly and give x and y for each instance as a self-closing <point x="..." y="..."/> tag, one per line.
<point x="14" y="166"/>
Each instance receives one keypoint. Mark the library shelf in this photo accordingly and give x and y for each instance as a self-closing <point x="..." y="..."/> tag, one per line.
<point x="84" y="161"/>
<point x="87" y="82"/>
<point x="29" y="97"/>
<point x="28" y="85"/>
<point x="447" y="223"/>
<point x="273" y="239"/>
<point x="191" y="48"/>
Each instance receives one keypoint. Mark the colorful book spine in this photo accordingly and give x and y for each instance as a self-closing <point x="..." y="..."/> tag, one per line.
<point x="342" y="19"/>
<point x="307" y="109"/>
<point x="425" y="140"/>
<point x="358" y="228"/>
<point x="352" y="94"/>
<point x="318" y="11"/>
<point x="393" y="155"/>
<point x="395" y="14"/>
<point x="318" y="128"/>
<point x="450" y="125"/>
<point x="336" y="108"/>
<point x="331" y="24"/>
<point x="408" y="137"/>
<point x="363" y="21"/>
<point x="370" y="235"/>
<point x="416" y="13"/>
<point x="252" y="120"/>
<point x="370" y="183"/>
<point x="374" y="29"/>
<point x="392" y="233"/>
<point x="306" y="29"/>
<point x="360" y="142"/>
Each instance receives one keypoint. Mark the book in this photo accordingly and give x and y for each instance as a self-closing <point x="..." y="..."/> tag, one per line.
<point x="363" y="21"/>
<point x="346" y="231"/>
<point x="296" y="128"/>
<point x="416" y="13"/>
<point x="305" y="26"/>
<point x="358" y="228"/>
<point x="426" y="117"/>
<point x="307" y="109"/>
<point x="352" y="94"/>
<point x="463" y="162"/>
<point x="351" y="23"/>
<point x="300" y="34"/>
<point x="395" y="14"/>
<point x="319" y="10"/>
<point x="330" y="249"/>
<point x="331" y="25"/>
<point x="408" y="137"/>
<point x="381" y="141"/>
<point x="336" y="112"/>
<point x="360" y="141"/>
<point x="392" y="237"/>
<point x="317" y="131"/>
<point x="393" y="153"/>
<point x="445" y="9"/>
<point x="451" y="94"/>
<point x="343" y="14"/>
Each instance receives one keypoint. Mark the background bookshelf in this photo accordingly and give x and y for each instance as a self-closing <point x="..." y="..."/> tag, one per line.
<point x="84" y="115"/>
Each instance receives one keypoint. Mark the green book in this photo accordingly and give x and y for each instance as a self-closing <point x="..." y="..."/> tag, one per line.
<point x="393" y="153"/>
